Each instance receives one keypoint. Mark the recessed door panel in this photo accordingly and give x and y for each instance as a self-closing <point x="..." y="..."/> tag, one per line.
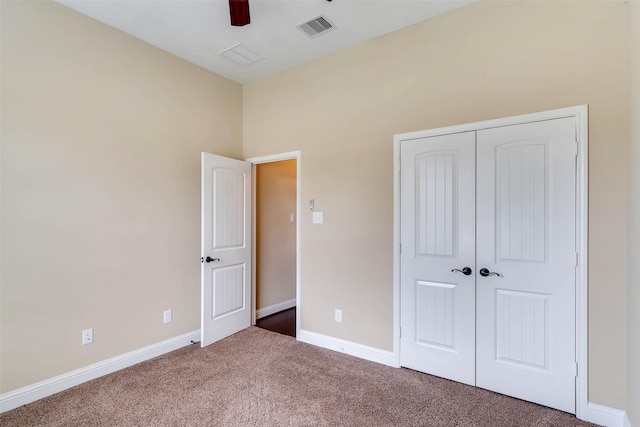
<point x="227" y="293"/>
<point x="435" y="210"/>
<point x="520" y="200"/>
<point x="522" y="328"/>
<point x="434" y="314"/>
<point x="228" y="218"/>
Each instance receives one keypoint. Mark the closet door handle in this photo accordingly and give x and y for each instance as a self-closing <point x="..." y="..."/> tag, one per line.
<point x="466" y="271"/>
<point x="209" y="259"/>
<point x="485" y="273"/>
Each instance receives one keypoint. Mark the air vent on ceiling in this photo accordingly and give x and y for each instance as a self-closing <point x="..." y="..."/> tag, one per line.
<point x="241" y="55"/>
<point x="317" y="26"/>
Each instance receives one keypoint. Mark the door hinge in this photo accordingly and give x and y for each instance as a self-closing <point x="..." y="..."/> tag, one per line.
<point x="400" y="248"/>
<point x="577" y="148"/>
<point x="575" y="369"/>
<point x="399" y="331"/>
<point x="577" y="258"/>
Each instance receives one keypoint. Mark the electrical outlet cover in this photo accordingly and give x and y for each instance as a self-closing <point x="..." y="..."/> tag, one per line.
<point x="87" y="336"/>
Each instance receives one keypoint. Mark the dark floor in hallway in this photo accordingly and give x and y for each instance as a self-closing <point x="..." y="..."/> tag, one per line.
<point x="283" y="322"/>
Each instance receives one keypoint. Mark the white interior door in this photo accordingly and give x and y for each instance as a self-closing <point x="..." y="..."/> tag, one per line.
<point x="510" y="325"/>
<point x="226" y="247"/>
<point x="438" y="237"/>
<point x="526" y="233"/>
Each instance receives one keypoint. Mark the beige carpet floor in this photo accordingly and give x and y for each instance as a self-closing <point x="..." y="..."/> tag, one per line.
<point x="260" y="378"/>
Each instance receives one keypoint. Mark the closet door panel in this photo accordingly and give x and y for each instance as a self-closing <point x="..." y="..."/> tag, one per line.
<point x="526" y="234"/>
<point x="438" y="232"/>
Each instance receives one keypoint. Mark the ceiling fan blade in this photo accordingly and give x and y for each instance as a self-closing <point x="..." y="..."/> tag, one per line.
<point x="239" y="11"/>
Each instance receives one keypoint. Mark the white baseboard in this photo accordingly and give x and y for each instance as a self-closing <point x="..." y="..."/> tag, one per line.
<point x="275" y="308"/>
<point x="33" y="392"/>
<point x="354" y="349"/>
<point x="606" y="416"/>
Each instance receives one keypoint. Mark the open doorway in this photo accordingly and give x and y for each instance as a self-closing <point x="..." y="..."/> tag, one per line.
<point x="275" y="243"/>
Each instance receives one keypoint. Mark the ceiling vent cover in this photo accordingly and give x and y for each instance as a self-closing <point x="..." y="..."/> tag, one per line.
<point x="317" y="26"/>
<point x="241" y="55"/>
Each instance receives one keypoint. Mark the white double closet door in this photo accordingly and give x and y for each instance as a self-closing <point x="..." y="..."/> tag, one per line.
<point x="500" y="199"/>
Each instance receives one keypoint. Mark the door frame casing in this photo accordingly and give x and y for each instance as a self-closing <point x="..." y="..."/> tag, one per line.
<point x="580" y="113"/>
<point x="291" y="155"/>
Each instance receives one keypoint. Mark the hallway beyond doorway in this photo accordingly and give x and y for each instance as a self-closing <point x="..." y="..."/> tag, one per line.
<point x="283" y="322"/>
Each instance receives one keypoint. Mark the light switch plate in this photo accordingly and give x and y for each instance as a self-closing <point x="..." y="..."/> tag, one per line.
<point x="318" y="218"/>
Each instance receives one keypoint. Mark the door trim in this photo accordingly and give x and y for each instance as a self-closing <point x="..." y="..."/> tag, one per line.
<point x="291" y="155"/>
<point x="580" y="113"/>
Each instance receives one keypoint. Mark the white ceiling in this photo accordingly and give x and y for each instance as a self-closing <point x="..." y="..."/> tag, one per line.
<point x="198" y="30"/>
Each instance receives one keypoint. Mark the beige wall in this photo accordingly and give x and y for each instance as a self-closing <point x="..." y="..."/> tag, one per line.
<point x="101" y="141"/>
<point x="275" y="233"/>
<point x="488" y="60"/>
<point x="633" y="328"/>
